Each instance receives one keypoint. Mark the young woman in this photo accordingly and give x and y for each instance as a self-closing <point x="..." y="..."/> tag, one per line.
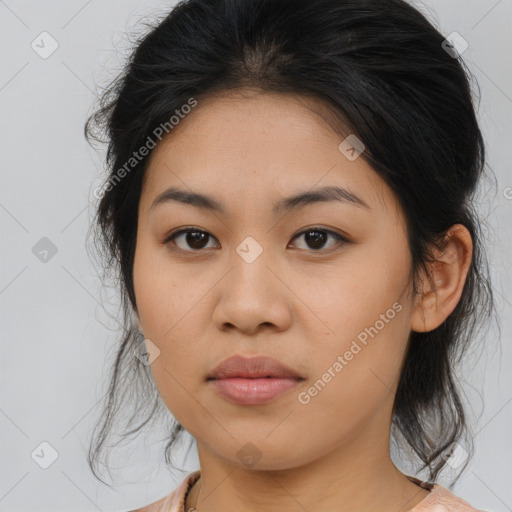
<point x="289" y="210"/>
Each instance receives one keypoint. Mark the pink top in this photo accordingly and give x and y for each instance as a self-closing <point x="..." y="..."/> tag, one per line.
<point x="439" y="499"/>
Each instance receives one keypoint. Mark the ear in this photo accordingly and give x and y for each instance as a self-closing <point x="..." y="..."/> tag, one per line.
<point x="441" y="293"/>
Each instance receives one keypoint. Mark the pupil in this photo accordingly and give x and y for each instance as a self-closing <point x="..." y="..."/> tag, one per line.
<point x="315" y="241"/>
<point x="194" y="239"/>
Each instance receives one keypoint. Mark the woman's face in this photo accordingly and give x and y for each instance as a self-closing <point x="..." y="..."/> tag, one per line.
<point x="261" y="282"/>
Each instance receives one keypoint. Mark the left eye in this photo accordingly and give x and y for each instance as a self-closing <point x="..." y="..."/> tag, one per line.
<point x="315" y="238"/>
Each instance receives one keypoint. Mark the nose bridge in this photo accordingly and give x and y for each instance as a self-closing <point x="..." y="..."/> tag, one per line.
<point x="250" y="275"/>
<point x="251" y="294"/>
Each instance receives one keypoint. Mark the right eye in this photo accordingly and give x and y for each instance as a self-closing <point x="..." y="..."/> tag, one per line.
<point x="196" y="239"/>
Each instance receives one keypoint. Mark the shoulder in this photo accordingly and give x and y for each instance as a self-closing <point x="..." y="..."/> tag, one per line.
<point x="173" y="502"/>
<point x="441" y="499"/>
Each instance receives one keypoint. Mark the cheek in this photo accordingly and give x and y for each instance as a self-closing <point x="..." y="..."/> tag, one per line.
<point x="359" y="370"/>
<point x="341" y="301"/>
<point x="359" y="331"/>
<point x="164" y="293"/>
<point x="169" y="308"/>
<point x="352" y="381"/>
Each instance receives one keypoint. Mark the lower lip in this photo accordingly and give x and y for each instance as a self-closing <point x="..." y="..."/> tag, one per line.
<point x="253" y="391"/>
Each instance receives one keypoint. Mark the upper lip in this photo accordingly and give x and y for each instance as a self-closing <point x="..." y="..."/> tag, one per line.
<point x="252" y="367"/>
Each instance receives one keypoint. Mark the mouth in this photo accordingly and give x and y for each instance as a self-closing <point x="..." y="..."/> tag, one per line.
<point x="252" y="381"/>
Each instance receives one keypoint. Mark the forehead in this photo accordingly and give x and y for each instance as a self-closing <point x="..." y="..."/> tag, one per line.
<point x="253" y="144"/>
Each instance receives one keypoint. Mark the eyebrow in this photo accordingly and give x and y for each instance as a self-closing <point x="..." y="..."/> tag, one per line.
<point x="285" y="205"/>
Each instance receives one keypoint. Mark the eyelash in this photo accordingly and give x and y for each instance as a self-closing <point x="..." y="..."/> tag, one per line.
<point x="341" y="241"/>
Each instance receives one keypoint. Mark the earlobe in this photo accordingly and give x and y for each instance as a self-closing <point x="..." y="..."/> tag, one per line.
<point x="441" y="293"/>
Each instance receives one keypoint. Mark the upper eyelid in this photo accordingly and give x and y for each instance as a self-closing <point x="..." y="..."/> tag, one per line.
<point x="180" y="231"/>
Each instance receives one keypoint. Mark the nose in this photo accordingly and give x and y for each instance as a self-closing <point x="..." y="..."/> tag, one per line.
<point x="253" y="296"/>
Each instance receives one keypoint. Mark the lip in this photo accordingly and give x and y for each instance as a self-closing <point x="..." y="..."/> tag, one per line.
<point x="252" y="367"/>
<point x="252" y="391"/>
<point x="252" y="381"/>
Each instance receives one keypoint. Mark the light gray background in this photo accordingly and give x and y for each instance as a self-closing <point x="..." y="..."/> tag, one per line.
<point x="57" y="339"/>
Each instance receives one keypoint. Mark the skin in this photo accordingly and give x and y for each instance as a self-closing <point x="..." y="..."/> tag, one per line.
<point x="299" y="304"/>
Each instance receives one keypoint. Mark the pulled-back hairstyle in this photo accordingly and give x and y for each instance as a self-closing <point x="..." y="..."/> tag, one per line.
<point x="384" y="73"/>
